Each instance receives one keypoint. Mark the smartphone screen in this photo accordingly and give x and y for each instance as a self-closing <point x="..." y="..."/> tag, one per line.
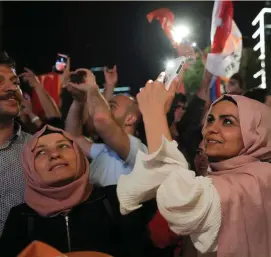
<point x="61" y="63"/>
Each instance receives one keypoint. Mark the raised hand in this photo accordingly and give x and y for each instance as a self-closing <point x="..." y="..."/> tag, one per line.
<point x="111" y="77"/>
<point x="30" y="77"/>
<point x="77" y="95"/>
<point x="89" y="81"/>
<point x="154" y="98"/>
<point x="26" y="104"/>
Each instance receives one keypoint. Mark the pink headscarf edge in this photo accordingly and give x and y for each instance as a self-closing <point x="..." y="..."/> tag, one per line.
<point x="33" y="190"/>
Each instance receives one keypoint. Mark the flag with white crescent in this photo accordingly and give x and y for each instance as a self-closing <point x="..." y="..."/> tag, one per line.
<point x="226" y="38"/>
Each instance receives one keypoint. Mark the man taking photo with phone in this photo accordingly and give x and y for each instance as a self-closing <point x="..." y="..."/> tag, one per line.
<point x="114" y="121"/>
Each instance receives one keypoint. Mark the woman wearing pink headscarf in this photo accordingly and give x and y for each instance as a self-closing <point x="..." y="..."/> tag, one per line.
<point x="228" y="212"/>
<point x="63" y="210"/>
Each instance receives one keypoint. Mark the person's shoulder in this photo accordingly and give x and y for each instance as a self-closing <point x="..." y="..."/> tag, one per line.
<point x="97" y="148"/>
<point x="26" y="136"/>
<point x="101" y="193"/>
<point x="22" y="209"/>
<point x="99" y="145"/>
<point x="136" y="141"/>
<point x="134" y="138"/>
<point x="106" y="196"/>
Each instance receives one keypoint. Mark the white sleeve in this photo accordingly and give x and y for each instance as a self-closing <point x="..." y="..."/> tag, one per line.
<point x="148" y="173"/>
<point x="190" y="204"/>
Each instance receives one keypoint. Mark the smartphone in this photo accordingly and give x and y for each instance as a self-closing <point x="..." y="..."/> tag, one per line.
<point x="173" y="69"/>
<point x="78" y="77"/>
<point x="61" y="63"/>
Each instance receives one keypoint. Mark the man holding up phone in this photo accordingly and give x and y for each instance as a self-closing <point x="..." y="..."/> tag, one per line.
<point x="115" y="123"/>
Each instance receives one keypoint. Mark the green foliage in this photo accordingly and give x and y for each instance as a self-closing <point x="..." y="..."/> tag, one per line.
<point x="193" y="77"/>
<point x="207" y="49"/>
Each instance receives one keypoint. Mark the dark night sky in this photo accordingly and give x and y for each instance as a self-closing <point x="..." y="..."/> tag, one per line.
<point x="104" y="33"/>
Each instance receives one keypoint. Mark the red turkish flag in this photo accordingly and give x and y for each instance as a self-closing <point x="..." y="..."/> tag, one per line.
<point x="221" y="25"/>
<point x="166" y="19"/>
<point x="52" y="84"/>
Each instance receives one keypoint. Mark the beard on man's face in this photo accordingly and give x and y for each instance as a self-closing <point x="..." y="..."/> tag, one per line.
<point x="10" y="105"/>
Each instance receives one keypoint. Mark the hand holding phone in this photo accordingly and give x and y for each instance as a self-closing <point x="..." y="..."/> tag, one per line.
<point x="173" y="69"/>
<point x="78" y="77"/>
<point x="61" y="63"/>
<point x="83" y="80"/>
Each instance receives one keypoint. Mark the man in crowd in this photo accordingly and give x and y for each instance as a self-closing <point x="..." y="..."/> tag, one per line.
<point x="178" y="107"/>
<point x="114" y="123"/>
<point x="12" y="140"/>
<point x="235" y="85"/>
<point x="259" y="94"/>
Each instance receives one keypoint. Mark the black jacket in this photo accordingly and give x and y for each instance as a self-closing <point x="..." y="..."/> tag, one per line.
<point x="95" y="225"/>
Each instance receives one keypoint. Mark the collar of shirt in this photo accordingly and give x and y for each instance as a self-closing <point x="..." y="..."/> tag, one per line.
<point x="17" y="131"/>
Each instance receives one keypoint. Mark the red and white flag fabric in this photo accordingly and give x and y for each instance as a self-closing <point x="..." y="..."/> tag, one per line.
<point x="52" y="84"/>
<point x="166" y="19"/>
<point x="226" y="40"/>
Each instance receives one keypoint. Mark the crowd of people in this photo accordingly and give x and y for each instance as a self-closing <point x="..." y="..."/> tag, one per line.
<point x="152" y="175"/>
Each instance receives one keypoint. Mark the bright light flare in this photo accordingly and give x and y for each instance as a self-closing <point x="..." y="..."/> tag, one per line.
<point x="194" y="44"/>
<point x="169" y="64"/>
<point x="180" y="32"/>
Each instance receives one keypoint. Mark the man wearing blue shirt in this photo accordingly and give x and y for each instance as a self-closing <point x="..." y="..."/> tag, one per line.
<point x="115" y="123"/>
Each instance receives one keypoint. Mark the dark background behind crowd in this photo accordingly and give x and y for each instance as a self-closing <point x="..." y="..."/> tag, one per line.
<point x="108" y="130"/>
<point x="96" y="34"/>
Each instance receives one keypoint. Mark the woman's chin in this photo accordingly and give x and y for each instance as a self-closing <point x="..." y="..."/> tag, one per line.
<point x="61" y="182"/>
<point x="214" y="157"/>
